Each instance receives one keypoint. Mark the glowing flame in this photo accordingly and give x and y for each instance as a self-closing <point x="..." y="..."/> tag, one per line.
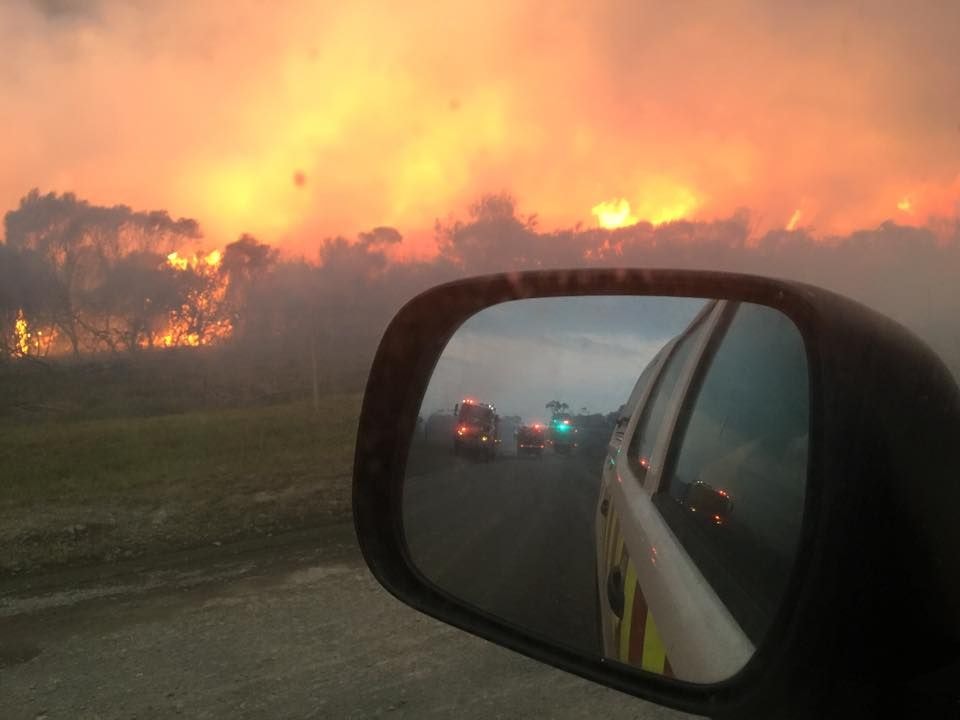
<point x="662" y="200"/>
<point x="175" y="261"/>
<point x="193" y="262"/>
<point x="204" y="316"/>
<point x="202" y="320"/>
<point x="665" y="201"/>
<point x="794" y="219"/>
<point x="21" y="334"/>
<point x="613" y="214"/>
<point x="29" y="341"/>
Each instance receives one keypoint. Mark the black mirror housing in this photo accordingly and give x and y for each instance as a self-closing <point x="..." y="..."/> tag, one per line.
<point x="877" y="577"/>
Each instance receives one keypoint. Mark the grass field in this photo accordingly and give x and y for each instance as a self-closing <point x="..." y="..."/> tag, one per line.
<point x="93" y="490"/>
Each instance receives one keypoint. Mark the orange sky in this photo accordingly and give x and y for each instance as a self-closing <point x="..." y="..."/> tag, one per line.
<point x="295" y="122"/>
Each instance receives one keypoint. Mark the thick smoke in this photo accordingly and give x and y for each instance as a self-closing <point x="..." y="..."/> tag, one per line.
<point x="390" y="113"/>
<point x="98" y="274"/>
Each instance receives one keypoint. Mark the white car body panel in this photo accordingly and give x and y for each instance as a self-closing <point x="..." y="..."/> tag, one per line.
<point x="703" y="642"/>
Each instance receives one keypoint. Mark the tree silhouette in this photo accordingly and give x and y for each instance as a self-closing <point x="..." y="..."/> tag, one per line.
<point x="557" y="407"/>
<point x="96" y="263"/>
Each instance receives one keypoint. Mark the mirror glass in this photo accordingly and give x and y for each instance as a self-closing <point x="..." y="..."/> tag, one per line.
<point x="621" y="475"/>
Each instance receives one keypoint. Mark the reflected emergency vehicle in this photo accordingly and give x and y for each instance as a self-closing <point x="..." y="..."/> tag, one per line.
<point x="563" y="433"/>
<point x="477" y="429"/>
<point x="531" y="439"/>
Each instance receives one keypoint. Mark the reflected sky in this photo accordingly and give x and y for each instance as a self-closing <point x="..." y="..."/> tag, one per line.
<point x="585" y="351"/>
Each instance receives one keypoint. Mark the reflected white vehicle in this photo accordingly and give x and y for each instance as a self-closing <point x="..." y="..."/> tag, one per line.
<point x="702" y="495"/>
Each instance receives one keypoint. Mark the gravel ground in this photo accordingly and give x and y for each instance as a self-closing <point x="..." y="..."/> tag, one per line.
<point x="293" y="629"/>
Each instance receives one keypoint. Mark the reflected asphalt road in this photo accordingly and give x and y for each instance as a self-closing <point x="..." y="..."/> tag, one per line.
<point x="513" y="537"/>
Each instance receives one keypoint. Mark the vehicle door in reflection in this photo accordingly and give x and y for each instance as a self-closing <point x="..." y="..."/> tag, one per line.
<point x="629" y="631"/>
<point x="733" y="492"/>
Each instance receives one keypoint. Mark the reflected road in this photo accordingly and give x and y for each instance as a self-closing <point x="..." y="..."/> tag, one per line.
<point x="513" y="537"/>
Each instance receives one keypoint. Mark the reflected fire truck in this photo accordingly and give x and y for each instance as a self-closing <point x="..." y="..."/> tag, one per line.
<point x="477" y="429"/>
<point x="531" y="439"/>
<point x="563" y="433"/>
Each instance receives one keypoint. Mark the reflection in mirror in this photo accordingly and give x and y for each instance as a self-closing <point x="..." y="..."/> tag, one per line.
<point x="622" y="475"/>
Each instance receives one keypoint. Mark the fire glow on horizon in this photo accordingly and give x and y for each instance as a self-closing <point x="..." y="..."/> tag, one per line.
<point x="306" y="120"/>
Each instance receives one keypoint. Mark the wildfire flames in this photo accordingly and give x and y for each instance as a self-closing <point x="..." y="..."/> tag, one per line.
<point x="202" y="319"/>
<point x="614" y="214"/>
<point x="182" y="262"/>
<point x="21" y="334"/>
<point x="27" y="342"/>
<point x="660" y="201"/>
<point x="794" y="219"/>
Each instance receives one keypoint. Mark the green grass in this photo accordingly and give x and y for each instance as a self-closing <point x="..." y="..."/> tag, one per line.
<point x="94" y="490"/>
<point x="170" y="381"/>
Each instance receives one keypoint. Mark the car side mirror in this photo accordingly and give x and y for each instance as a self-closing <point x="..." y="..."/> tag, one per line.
<point x="763" y="532"/>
